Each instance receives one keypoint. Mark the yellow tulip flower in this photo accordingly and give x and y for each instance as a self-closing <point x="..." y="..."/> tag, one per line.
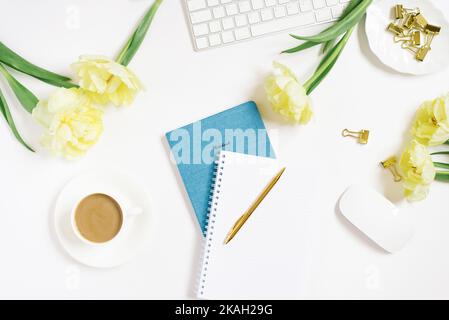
<point x="106" y="80"/>
<point x="418" y="171"/>
<point x="287" y="96"/>
<point x="72" y="124"/>
<point x="431" y="124"/>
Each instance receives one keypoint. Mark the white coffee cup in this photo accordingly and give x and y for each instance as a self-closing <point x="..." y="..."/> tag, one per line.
<point x="128" y="211"/>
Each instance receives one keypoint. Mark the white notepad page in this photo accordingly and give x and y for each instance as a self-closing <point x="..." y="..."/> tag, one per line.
<point x="267" y="257"/>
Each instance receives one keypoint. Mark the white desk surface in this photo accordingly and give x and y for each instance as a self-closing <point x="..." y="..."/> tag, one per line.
<point x="183" y="86"/>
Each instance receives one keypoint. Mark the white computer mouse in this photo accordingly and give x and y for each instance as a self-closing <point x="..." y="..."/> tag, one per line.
<point x="376" y="217"/>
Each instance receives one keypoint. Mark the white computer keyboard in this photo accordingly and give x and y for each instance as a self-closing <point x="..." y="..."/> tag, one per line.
<point x="215" y="23"/>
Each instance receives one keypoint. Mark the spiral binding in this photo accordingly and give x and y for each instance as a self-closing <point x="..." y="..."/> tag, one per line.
<point x="210" y="220"/>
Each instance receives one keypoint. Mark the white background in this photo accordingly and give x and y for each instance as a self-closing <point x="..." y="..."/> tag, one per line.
<point x="183" y="86"/>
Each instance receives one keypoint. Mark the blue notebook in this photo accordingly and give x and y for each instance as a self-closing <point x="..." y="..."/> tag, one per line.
<point x="194" y="149"/>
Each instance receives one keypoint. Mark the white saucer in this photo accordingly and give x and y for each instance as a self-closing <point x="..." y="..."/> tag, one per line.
<point x="380" y="15"/>
<point x="119" y="250"/>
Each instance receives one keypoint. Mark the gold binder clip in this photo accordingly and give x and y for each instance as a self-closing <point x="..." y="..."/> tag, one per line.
<point x="390" y="164"/>
<point x="422" y="53"/>
<point x="362" y="135"/>
<point x="433" y="29"/>
<point x="420" y="22"/>
<point x="396" y="29"/>
<point x="431" y="32"/>
<point x="408" y="21"/>
<point x="414" y="38"/>
<point x="410" y="47"/>
<point x="399" y="11"/>
<point x="414" y="11"/>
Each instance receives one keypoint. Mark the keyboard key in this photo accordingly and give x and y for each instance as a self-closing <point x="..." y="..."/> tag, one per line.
<point x="232" y="9"/>
<point x="226" y="1"/>
<point x="305" y="5"/>
<point x="242" y="33"/>
<point x="319" y="4"/>
<point x="241" y="21"/>
<point x="253" y="17"/>
<point x="270" y="3"/>
<point x="280" y="12"/>
<point x="267" y="14"/>
<point x="293" y="8"/>
<point x="331" y="3"/>
<point x="283" y="1"/>
<point x="195" y="5"/>
<point x="323" y="15"/>
<point x="228" y="23"/>
<point x="337" y="11"/>
<point x="214" y="26"/>
<point x="202" y="43"/>
<point x="219" y="12"/>
<point x="228" y="36"/>
<point x="200" y="16"/>
<point x="283" y="24"/>
<point x="212" y="3"/>
<point x="244" y="6"/>
<point x="200" y="29"/>
<point x="257" y="4"/>
<point x="214" y="40"/>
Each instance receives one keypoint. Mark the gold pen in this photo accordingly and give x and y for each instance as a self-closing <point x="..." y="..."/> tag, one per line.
<point x="241" y="221"/>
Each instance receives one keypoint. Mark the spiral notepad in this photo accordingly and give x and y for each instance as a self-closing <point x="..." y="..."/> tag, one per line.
<point x="265" y="260"/>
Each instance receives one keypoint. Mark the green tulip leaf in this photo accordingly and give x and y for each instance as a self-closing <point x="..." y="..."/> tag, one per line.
<point x="4" y="109"/>
<point x="341" y="26"/>
<point x="441" y="165"/>
<point x="25" y="96"/>
<point x="13" y="60"/>
<point x="329" y="44"/>
<point x="132" y="45"/>
<point x="440" y="153"/>
<point x="442" y="176"/>
<point x="304" y="46"/>
<point x="327" y="63"/>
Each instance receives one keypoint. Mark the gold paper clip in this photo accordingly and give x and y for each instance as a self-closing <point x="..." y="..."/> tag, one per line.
<point x="390" y="164"/>
<point x="396" y="29"/>
<point x="362" y="136"/>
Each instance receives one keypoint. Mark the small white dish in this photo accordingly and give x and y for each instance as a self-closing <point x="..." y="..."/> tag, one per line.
<point x="380" y="15"/>
<point x="376" y="217"/>
<point x="135" y="237"/>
